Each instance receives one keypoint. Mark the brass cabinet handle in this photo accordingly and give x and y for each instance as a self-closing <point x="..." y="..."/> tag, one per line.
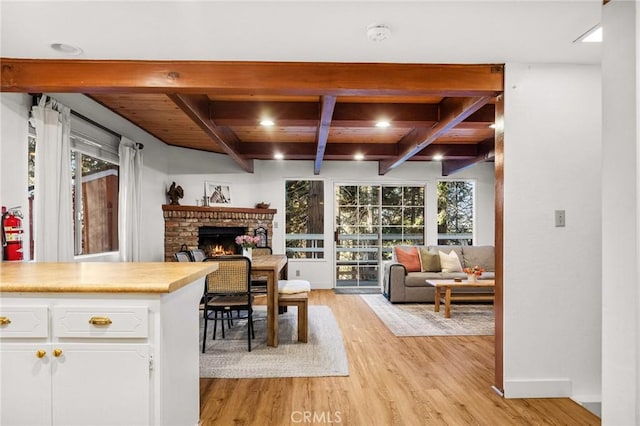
<point x="5" y="320"/>
<point x="100" y="321"/>
<point x="40" y="353"/>
<point x="57" y="352"/>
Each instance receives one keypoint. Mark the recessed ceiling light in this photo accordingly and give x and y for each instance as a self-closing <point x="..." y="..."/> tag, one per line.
<point x="593" y="35"/>
<point x="278" y="156"/>
<point x="66" y="49"/>
<point x="358" y="156"/>
<point x="267" y="122"/>
<point x="438" y="157"/>
<point x="383" y="123"/>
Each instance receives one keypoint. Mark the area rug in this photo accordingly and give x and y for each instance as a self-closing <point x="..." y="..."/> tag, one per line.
<point x="323" y="355"/>
<point x="419" y="319"/>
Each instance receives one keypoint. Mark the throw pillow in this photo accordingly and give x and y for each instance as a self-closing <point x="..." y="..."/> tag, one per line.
<point x="409" y="258"/>
<point x="450" y="262"/>
<point x="430" y="261"/>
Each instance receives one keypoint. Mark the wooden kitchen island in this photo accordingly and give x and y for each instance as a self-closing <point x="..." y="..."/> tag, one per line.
<point x="100" y="343"/>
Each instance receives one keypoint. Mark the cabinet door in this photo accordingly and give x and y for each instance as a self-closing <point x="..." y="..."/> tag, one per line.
<point x="101" y="384"/>
<point x="25" y="384"/>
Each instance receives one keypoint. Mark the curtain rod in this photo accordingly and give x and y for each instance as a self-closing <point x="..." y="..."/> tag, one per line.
<point x="36" y="98"/>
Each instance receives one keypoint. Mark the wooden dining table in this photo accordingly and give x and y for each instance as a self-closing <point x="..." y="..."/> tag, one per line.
<point x="274" y="268"/>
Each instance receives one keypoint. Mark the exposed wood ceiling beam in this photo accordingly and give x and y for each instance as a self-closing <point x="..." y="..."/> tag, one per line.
<point x="486" y="152"/>
<point x="452" y="112"/>
<point x="328" y="104"/>
<point x="197" y="108"/>
<point x="293" y="78"/>
<point x="345" y="114"/>
<point x="372" y="152"/>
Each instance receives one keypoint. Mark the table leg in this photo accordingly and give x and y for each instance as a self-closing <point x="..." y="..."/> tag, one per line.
<point x="447" y="302"/>
<point x="436" y="302"/>
<point x="272" y="309"/>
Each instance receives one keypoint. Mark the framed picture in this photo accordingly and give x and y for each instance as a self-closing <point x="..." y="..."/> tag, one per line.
<point x="217" y="193"/>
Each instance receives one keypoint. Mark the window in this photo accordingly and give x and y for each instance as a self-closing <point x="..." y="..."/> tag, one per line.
<point x="370" y="220"/>
<point x="95" y="204"/>
<point x="304" y="216"/>
<point x="94" y="180"/>
<point x="455" y="212"/>
<point x="402" y="217"/>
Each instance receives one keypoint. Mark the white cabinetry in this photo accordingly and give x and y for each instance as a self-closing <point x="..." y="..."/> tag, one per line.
<point x="107" y="359"/>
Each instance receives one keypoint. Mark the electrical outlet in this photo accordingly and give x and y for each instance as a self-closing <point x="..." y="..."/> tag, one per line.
<point x="560" y="218"/>
<point x="297" y="272"/>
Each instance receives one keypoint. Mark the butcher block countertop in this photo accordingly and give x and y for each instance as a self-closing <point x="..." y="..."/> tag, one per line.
<point x="107" y="277"/>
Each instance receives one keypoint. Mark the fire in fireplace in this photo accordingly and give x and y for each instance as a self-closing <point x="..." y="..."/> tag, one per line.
<point x="219" y="240"/>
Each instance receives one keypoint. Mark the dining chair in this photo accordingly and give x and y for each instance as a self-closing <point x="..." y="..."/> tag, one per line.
<point x="228" y="296"/>
<point x="259" y="283"/>
<point x="198" y="255"/>
<point x="182" y="256"/>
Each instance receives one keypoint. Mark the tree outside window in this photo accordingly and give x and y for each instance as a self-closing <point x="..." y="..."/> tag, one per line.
<point x="455" y="212"/>
<point x="304" y="211"/>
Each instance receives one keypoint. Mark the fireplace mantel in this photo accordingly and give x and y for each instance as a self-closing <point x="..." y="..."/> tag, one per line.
<point x="171" y="207"/>
<point x="181" y="223"/>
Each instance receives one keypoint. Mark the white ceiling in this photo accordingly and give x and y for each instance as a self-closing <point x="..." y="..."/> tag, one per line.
<point x="333" y="31"/>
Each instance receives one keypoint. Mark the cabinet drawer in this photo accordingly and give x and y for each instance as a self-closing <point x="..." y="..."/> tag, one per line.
<point x="101" y="321"/>
<point x="24" y="321"/>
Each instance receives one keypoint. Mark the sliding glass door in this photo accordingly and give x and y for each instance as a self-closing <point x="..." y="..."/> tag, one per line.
<point x="370" y="220"/>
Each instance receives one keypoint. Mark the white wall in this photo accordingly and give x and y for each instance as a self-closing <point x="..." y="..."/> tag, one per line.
<point x="14" y="129"/>
<point x="190" y="169"/>
<point x="552" y="276"/>
<point x="621" y="289"/>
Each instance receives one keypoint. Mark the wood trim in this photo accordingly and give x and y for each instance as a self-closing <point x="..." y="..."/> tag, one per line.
<point x="274" y="78"/>
<point x="499" y="245"/>
<point x="171" y="207"/>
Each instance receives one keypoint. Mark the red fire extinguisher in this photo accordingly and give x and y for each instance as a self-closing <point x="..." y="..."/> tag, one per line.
<point x="12" y="233"/>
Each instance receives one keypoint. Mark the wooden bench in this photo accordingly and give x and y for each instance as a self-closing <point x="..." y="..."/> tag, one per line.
<point x="301" y="301"/>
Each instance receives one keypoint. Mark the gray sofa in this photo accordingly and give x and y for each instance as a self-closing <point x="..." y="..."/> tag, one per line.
<point x="401" y="286"/>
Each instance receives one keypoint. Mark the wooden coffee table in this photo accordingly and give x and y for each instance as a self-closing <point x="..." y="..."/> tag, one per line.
<point x="450" y="296"/>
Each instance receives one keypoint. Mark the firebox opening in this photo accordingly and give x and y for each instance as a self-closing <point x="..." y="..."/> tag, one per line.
<point x="219" y="240"/>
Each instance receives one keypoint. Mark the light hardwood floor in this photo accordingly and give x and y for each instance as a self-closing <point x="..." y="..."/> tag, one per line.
<point x="392" y="381"/>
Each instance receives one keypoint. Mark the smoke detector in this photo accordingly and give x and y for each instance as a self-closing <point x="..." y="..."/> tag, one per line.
<point x="378" y="32"/>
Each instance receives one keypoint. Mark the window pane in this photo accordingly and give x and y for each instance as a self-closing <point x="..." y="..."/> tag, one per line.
<point x="413" y="196"/>
<point x="304" y="215"/>
<point x="392" y="196"/>
<point x="391" y="215"/>
<point x="97" y="220"/>
<point x="455" y="212"/>
<point x="413" y="216"/>
<point x="368" y="216"/>
<point x="368" y="195"/>
<point x="347" y="195"/>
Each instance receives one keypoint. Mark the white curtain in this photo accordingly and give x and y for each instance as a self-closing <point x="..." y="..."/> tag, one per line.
<point x="53" y="216"/>
<point x="130" y="201"/>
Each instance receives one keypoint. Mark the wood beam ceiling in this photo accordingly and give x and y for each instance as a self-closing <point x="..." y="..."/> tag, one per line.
<point x="341" y="101"/>
<point x="197" y="108"/>
<point x="294" y="78"/>
<point x="452" y="112"/>
<point x="326" y="114"/>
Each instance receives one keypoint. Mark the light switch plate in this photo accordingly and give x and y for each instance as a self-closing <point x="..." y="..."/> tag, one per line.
<point x="560" y="218"/>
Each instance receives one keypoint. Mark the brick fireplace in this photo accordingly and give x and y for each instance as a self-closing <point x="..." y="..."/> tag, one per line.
<point x="182" y="224"/>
